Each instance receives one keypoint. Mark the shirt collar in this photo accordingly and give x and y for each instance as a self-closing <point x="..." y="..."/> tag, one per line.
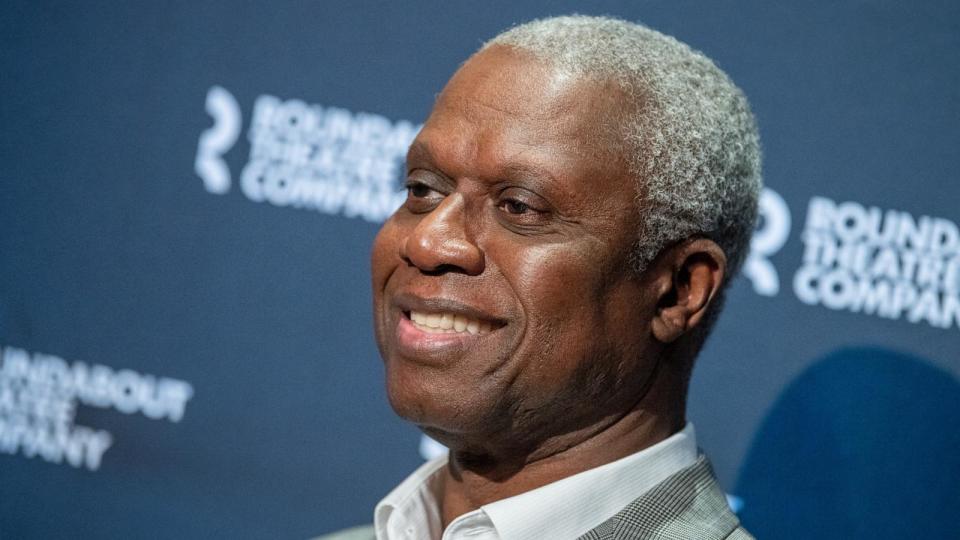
<point x="572" y="506"/>
<point x="566" y="508"/>
<point x="415" y="499"/>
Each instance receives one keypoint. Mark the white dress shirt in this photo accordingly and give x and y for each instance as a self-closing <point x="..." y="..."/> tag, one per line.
<point x="561" y="510"/>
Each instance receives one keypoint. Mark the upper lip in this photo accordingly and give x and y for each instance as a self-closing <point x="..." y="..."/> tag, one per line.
<point x="410" y="302"/>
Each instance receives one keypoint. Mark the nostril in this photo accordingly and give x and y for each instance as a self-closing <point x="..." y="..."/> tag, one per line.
<point x="441" y="269"/>
<point x="436" y="247"/>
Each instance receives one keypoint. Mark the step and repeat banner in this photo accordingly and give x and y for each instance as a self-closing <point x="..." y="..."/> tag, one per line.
<point x="189" y="191"/>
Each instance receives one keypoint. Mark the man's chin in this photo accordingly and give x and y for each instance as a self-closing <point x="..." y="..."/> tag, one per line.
<point x="447" y="419"/>
<point x="444" y="420"/>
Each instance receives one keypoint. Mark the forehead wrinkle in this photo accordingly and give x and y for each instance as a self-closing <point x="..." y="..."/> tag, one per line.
<point x="498" y="106"/>
<point x="491" y="90"/>
<point x="559" y="104"/>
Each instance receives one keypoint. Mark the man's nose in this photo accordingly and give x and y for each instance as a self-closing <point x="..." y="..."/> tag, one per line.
<point x="440" y="241"/>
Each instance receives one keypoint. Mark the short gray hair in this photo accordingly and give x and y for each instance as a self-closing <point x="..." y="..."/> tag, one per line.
<point x="692" y="140"/>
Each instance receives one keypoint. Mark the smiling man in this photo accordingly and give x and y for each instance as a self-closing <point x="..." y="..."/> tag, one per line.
<point x="578" y="199"/>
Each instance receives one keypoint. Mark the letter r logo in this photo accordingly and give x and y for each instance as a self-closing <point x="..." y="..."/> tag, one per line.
<point x="218" y="140"/>
<point x="772" y="232"/>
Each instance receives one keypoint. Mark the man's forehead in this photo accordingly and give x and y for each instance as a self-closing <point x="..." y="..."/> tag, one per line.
<point x="507" y="81"/>
<point x="508" y="94"/>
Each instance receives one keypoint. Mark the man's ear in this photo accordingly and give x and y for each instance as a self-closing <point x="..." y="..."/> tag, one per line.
<point x="690" y="276"/>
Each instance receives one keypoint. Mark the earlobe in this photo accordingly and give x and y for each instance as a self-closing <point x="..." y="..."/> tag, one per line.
<point x="692" y="274"/>
<point x="668" y="325"/>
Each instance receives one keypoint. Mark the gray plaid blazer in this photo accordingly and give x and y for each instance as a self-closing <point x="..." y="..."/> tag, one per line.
<point x="686" y="506"/>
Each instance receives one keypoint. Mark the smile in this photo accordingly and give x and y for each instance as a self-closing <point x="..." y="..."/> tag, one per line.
<point x="448" y="323"/>
<point x="438" y="331"/>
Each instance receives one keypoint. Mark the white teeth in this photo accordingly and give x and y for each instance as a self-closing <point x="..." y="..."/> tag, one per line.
<point x="449" y="323"/>
<point x="446" y="321"/>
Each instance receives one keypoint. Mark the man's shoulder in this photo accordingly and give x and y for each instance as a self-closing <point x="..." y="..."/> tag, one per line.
<point x="689" y="504"/>
<point x="363" y="532"/>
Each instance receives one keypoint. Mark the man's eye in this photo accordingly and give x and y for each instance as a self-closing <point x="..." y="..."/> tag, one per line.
<point x="515" y="207"/>
<point x="418" y="190"/>
<point x="421" y="197"/>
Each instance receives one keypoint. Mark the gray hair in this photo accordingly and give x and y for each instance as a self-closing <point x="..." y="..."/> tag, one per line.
<point x="692" y="140"/>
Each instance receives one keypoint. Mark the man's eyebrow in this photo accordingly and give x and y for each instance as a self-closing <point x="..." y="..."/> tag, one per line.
<point x="527" y="171"/>
<point x="420" y="151"/>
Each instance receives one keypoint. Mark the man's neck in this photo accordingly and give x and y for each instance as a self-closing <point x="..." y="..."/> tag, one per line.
<point x="468" y="485"/>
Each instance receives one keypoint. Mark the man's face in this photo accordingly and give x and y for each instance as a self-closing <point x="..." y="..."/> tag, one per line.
<point x="504" y="304"/>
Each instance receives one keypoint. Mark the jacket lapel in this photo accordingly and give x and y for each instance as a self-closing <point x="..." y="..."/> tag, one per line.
<point x="687" y="505"/>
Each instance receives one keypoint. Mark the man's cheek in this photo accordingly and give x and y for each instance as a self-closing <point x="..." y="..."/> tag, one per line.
<point x="385" y="253"/>
<point x="559" y="288"/>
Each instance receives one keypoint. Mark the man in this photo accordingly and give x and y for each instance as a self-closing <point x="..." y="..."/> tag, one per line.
<point x="578" y="199"/>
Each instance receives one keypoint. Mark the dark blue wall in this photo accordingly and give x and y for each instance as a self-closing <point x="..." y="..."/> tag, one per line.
<point x="239" y="391"/>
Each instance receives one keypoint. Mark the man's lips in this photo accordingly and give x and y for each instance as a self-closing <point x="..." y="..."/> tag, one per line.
<point x="440" y="307"/>
<point x="433" y="345"/>
<point x="447" y="323"/>
<point x="433" y="328"/>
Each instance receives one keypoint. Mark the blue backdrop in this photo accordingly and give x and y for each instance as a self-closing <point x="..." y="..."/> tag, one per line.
<point x="188" y="193"/>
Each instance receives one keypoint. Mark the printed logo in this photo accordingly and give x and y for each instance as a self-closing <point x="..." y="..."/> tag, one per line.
<point x="218" y="140"/>
<point x="885" y="263"/>
<point x="320" y="158"/>
<point x="772" y="232"/>
<point x="39" y="395"/>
